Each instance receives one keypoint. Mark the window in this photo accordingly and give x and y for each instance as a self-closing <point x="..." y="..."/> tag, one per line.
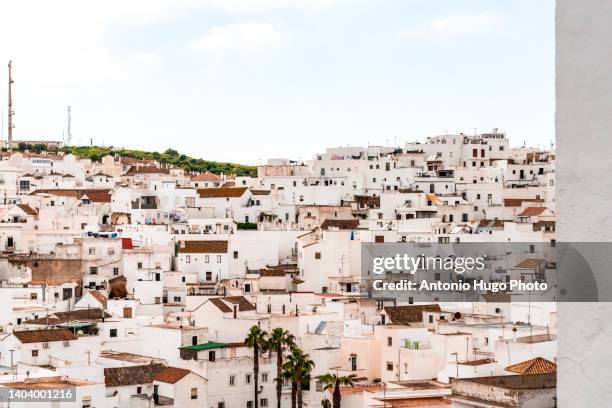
<point x="111" y="251"/>
<point x="177" y="298"/>
<point x="139" y="390"/>
<point x="208" y="276"/>
<point x="113" y="332"/>
<point x="211" y="355"/>
<point x="389" y="366"/>
<point x="389" y="341"/>
<point x="430" y="318"/>
<point x="218" y="258"/>
<point x="115" y="271"/>
<point x="249" y="404"/>
<point x="92" y="251"/>
<point x="221" y="404"/>
<point x="33" y="296"/>
<point x="93" y="270"/>
<point x="264" y="377"/>
<point x="317" y="255"/>
<point x="194" y="393"/>
<point x="232" y="380"/>
<point x="86" y="401"/>
<point x="235" y="254"/>
<point x="263" y="403"/>
<point x="206" y="258"/>
<point x="247" y="379"/>
<point x="34" y="353"/>
<point x="139" y="266"/>
<point x="187" y="259"/>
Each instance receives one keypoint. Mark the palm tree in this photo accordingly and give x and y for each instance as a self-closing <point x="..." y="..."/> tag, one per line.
<point x="334" y="381"/>
<point x="298" y="366"/>
<point x="278" y="339"/>
<point x="257" y="339"/>
<point x="287" y="374"/>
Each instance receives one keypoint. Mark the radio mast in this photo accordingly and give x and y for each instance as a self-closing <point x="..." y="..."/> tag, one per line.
<point x="11" y="112"/>
<point x="69" y="136"/>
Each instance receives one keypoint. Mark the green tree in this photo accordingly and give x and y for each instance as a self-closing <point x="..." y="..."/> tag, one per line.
<point x="334" y="381"/>
<point x="279" y="338"/>
<point x="297" y="368"/>
<point x="257" y="340"/>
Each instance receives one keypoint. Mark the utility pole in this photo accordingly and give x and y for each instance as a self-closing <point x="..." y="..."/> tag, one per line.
<point x="11" y="112"/>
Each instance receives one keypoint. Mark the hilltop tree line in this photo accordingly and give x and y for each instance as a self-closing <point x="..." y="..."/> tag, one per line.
<point x="170" y="157"/>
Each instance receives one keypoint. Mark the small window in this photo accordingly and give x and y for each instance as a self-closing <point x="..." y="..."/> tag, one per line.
<point x="389" y="366"/>
<point x="92" y="251"/>
<point x="221" y="404"/>
<point x="264" y="377"/>
<point x="249" y="404"/>
<point x="34" y="353"/>
<point x="235" y="254"/>
<point x="317" y="255"/>
<point x="187" y="259"/>
<point x="33" y="296"/>
<point x="389" y="341"/>
<point x="206" y="258"/>
<point x="218" y="258"/>
<point x="113" y="332"/>
<point x="247" y="379"/>
<point x="263" y="403"/>
<point x="194" y="393"/>
<point x="232" y="380"/>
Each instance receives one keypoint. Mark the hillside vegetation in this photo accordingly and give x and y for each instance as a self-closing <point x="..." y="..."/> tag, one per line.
<point x="170" y="156"/>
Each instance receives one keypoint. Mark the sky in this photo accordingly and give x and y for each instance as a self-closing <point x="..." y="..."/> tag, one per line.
<point x="248" y="80"/>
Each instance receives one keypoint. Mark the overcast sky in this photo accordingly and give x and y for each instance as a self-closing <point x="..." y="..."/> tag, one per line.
<point x="246" y="80"/>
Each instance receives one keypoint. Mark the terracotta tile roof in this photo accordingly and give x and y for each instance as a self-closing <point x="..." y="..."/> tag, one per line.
<point x="208" y="176"/>
<point x="220" y="305"/>
<point x="260" y="192"/>
<point x="221" y="192"/>
<point x="131" y="375"/>
<point x="268" y="273"/>
<point x="517" y="202"/>
<point x="27" y="209"/>
<point x="243" y="304"/>
<point x="530" y="263"/>
<point x="146" y="170"/>
<point x="64" y="317"/>
<point x="492" y="223"/>
<point x="99" y="297"/>
<point x="97" y="197"/>
<point x="498" y="297"/>
<point x="532" y="211"/>
<point x="537" y="365"/>
<point x="171" y="375"/>
<point x="44" y="335"/>
<point x="203" y="247"/>
<point x="340" y="224"/>
<point x="68" y="192"/>
<point x="415" y="402"/>
<point x="410" y="313"/>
